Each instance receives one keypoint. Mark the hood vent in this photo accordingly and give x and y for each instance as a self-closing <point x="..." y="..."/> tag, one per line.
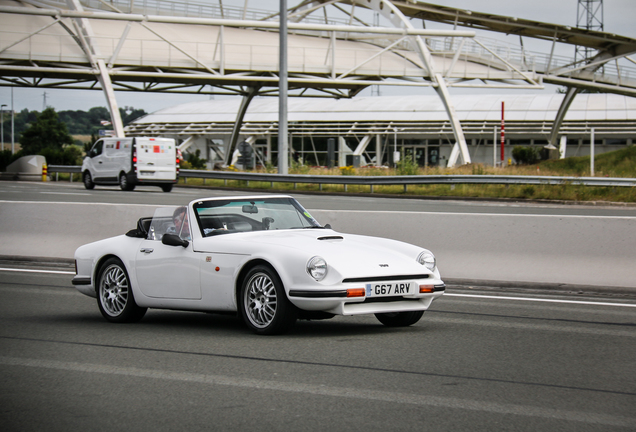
<point x="331" y="238"/>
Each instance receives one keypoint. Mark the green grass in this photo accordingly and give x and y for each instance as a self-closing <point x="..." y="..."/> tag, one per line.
<point x="620" y="163"/>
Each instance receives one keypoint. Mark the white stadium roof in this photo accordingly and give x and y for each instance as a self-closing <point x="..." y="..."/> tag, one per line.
<point x="518" y="108"/>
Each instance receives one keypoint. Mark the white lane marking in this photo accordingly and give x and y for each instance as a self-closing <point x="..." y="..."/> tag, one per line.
<point x="64" y="193"/>
<point x="534" y="299"/>
<point x="36" y="271"/>
<point x="539" y="299"/>
<point x="429" y="213"/>
<point x="328" y="391"/>
<point x="85" y="203"/>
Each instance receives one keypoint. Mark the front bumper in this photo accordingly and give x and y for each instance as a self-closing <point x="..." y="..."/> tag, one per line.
<point x="335" y="301"/>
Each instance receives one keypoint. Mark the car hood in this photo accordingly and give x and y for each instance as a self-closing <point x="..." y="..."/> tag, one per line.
<point x="353" y="255"/>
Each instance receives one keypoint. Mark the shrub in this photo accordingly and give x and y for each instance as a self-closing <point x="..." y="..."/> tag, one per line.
<point x="69" y="155"/>
<point x="407" y="166"/>
<point x="525" y="155"/>
<point x="347" y="170"/>
<point x="194" y="160"/>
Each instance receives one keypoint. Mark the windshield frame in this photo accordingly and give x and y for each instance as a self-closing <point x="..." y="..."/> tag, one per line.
<point x="249" y="214"/>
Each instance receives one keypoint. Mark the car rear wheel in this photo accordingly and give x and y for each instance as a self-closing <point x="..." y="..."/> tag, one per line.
<point x="399" y="319"/>
<point x="264" y="305"/>
<point x="114" y="294"/>
<point x="88" y="181"/>
<point x="124" y="184"/>
<point x="166" y="187"/>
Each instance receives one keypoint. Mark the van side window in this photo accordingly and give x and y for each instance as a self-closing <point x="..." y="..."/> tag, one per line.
<point x="97" y="148"/>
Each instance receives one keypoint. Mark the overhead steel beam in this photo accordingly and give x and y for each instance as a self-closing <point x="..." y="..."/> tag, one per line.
<point x="234" y="23"/>
<point x="236" y="130"/>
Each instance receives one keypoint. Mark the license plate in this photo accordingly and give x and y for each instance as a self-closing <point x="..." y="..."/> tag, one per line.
<point x="385" y="289"/>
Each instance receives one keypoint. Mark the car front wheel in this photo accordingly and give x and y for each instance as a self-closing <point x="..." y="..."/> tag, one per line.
<point x="399" y="319"/>
<point x="88" y="181"/>
<point x="114" y="294"/>
<point x="264" y="305"/>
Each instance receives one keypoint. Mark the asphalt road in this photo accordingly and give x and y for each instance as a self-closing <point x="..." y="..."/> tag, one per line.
<point x="479" y="360"/>
<point x="475" y="362"/>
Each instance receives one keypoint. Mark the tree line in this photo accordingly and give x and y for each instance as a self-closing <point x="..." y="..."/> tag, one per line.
<point x="50" y="133"/>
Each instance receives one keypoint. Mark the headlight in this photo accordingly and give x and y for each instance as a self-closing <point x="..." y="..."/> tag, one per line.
<point x="317" y="268"/>
<point x="427" y="259"/>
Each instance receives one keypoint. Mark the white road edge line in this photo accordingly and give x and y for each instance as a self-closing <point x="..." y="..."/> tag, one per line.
<point x="544" y="300"/>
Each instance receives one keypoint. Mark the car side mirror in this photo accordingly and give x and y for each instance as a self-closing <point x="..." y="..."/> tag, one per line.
<point x="174" y="240"/>
<point x="328" y="226"/>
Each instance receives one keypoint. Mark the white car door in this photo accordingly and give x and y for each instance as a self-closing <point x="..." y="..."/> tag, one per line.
<point x="168" y="271"/>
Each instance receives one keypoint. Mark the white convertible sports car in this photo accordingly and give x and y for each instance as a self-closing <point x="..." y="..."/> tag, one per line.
<point x="263" y="257"/>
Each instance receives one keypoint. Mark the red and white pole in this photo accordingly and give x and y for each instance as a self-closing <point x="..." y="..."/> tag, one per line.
<point x="502" y="133"/>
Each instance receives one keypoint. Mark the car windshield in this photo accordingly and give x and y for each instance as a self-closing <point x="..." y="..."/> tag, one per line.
<point x="216" y="217"/>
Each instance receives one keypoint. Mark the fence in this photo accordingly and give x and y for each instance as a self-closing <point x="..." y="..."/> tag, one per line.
<point x="372" y="181"/>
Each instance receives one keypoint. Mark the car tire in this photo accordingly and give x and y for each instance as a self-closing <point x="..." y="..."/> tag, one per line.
<point x="114" y="294"/>
<point x="124" y="184"/>
<point x="399" y="319"/>
<point x="263" y="303"/>
<point x="88" y="180"/>
<point x="166" y="187"/>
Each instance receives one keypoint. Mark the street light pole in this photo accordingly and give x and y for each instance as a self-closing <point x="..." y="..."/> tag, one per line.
<point x="283" y="143"/>
<point x="12" y="128"/>
<point x="2" y="123"/>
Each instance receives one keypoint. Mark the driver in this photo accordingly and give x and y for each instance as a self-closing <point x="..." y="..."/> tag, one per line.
<point x="181" y="223"/>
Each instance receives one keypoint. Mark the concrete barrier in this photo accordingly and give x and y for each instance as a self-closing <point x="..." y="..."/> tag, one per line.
<point x="574" y="250"/>
<point x="26" y="168"/>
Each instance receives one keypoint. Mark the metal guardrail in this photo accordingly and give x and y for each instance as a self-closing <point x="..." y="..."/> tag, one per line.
<point x="372" y="181"/>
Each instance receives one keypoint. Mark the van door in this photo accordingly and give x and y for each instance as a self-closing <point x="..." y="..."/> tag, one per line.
<point x="95" y="163"/>
<point x="118" y="156"/>
<point x="111" y="148"/>
<point x="156" y="159"/>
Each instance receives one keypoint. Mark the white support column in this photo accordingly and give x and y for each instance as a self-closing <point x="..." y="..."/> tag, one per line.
<point x="362" y="145"/>
<point x="563" y="109"/>
<point x="86" y="36"/>
<point x="563" y="146"/>
<point x="187" y="143"/>
<point x="111" y="100"/>
<point x="343" y="151"/>
<point x="397" y="18"/>
<point x="460" y="147"/>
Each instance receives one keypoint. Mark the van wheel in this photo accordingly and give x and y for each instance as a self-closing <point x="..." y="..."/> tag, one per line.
<point x="88" y="181"/>
<point x="124" y="184"/>
<point x="166" y="187"/>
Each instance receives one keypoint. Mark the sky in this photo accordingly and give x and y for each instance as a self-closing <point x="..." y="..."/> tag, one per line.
<point x="618" y="19"/>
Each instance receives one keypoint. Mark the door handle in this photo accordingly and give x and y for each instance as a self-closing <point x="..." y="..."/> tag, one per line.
<point x="146" y="250"/>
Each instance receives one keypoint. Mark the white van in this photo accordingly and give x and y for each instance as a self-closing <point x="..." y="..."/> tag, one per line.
<point x="132" y="161"/>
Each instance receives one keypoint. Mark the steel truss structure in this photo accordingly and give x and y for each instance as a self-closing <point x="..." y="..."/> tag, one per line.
<point x="187" y="47"/>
